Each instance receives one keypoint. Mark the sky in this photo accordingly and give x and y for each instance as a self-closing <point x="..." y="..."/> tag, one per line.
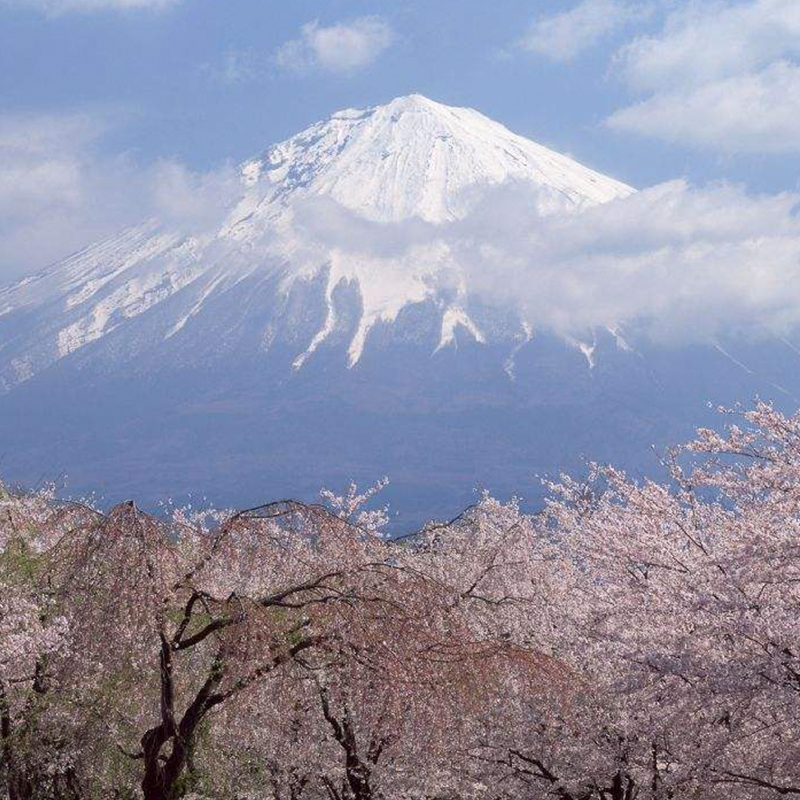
<point x="111" y="110"/>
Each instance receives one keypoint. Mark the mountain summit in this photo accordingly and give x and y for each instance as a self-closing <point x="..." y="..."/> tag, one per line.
<point x="414" y="157"/>
<point x="410" y="159"/>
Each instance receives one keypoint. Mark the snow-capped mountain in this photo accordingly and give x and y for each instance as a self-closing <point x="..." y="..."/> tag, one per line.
<point x="321" y="326"/>
<point x="410" y="160"/>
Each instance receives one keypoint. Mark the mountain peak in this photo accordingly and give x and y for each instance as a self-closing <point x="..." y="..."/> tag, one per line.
<point x="407" y="102"/>
<point x="414" y="156"/>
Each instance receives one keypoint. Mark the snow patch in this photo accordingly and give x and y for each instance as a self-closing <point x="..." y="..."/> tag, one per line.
<point x="323" y="333"/>
<point x="23" y="368"/>
<point x="196" y="308"/>
<point x="588" y="350"/>
<point x="510" y="364"/>
<point x="451" y="319"/>
<point x="128" y="301"/>
<point x="620" y="341"/>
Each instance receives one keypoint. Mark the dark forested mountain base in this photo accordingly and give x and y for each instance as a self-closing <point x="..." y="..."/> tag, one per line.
<point x="246" y="426"/>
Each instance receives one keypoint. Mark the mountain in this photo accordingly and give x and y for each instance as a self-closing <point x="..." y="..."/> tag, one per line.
<point x="412" y="158"/>
<point x="318" y="326"/>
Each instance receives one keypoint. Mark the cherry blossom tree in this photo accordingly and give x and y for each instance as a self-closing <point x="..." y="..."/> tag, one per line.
<point x="390" y="718"/>
<point x="631" y="641"/>
<point x="174" y="625"/>
<point x="199" y="615"/>
<point x="33" y="633"/>
<point x="688" y="605"/>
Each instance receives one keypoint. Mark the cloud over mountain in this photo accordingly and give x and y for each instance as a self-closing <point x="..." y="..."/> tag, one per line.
<point x="60" y="189"/>
<point x="674" y="262"/>
<point x="343" y="47"/>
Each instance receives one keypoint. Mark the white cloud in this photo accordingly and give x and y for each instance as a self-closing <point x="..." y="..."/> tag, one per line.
<point x="719" y="75"/>
<point x="673" y="262"/>
<point x="756" y="112"/>
<point x="676" y="262"/>
<point x="56" y="7"/>
<point x="708" y="41"/>
<point x="236" y="66"/>
<point x="344" y="47"/>
<point x="562" y="37"/>
<point x="41" y="133"/>
<point x="60" y="192"/>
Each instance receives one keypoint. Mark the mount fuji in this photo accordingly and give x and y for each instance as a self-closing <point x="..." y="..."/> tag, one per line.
<point x="316" y="328"/>
<point x="410" y="159"/>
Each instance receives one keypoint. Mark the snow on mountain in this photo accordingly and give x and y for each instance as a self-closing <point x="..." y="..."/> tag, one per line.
<point x="412" y="160"/>
<point x="415" y="157"/>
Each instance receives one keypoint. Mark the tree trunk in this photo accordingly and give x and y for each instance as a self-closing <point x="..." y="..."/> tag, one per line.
<point x="357" y="777"/>
<point x="623" y="787"/>
<point x="161" y="775"/>
<point x="19" y="787"/>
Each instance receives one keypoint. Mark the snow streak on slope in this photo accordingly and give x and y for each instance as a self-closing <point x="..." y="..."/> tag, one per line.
<point x="410" y="159"/>
<point x="453" y="317"/>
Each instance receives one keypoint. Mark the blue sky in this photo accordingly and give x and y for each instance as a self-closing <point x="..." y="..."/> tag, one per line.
<point x="100" y="98"/>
